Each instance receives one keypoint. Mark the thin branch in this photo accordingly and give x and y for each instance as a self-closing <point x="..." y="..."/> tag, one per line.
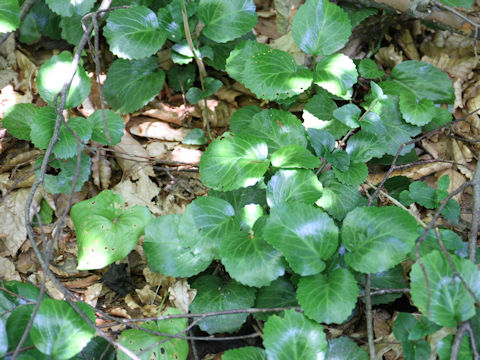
<point x="368" y="312"/>
<point x="472" y="239"/>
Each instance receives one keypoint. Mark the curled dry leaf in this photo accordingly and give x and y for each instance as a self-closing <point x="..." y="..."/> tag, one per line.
<point x="408" y="45"/>
<point x="146" y="127"/>
<point x="101" y="170"/>
<point x="146" y="295"/>
<point x="93" y="293"/>
<point x="7" y="269"/>
<point x="460" y="160"/>
<point x="219" y="112"/>
<point x="181" y="295"/>
<point x="172" y="114"/>
<point x="388" y="56"/>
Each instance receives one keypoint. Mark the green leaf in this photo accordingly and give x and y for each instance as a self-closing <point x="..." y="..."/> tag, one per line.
<point x="444" y="348"/>
<point x="59" y="331"/>
<point x="416" y="349"/>
<point x="16" y="324"/>
<point x="356" y="174"/>
<point x="45" y="214"/>
<point x="66" y="146"/>
<point x="194" y="94"/>
<point x="423" y="194"/>
<point x="249" y="259"/>
<point x="181" y="78"/>
<point x="320" y="107"/>
<point x="171" y="19"/>
<point x="173" y="248"/>
<point x="416" y="112"/>
<point x="320" y="27"/>
<point x="247" y="216"/>
<point x="244" y="196"/>
<point x="280" y="293"/>
<point x="195" y="137"/>
<point x="420" y="80"/>
<point x="105" y="231"/>
<point x="245" y="353"/>
<point x="243" y="53"/>
<point x="3" y="338"/>
<point x="54" y="73"/>
<point x="134" y="33"/>
<point x="29" y="32"/>
<point x="63" y="182"/>
<point x="348" y="114"/>
<point x="70" y="8"/>
<point x="344" y="348"/>
<point x="226" y="20"/>
<point x="371" y="123"/>
<point x="322" y="141"/>
<point x="294" y="156"/>
<point x="97" y="348"/>
<point x="441" y="117"/>
<point x="404" y="323"/>
<point x="293" y="337"/>
<point x="450" y="302"/>
<point x="451" y="211"/>
<point x="43" y="21"/>
<point x="18" y="120"/>
<point x="389" y="279"/>
<point x="452" y="242"/>
<point x="423" y="328"/>
<point x="42" y="125"/>
<point x="9" y="16"/>
<point x="234" y="161"/>
<point x="339" y="159"/>
<point x="72" y="30"/>
<point x="328" y="298"/>
<point x="338" y="199"/>
<point x="213" y="295"/>
<point x="276" y="127"/>
<point x="242" y="117"/>
<point x="157" y="347"/>
<point x="274" y="75"/>
<point x="467" y="4"/>
<point x="363" y="146"/>
<point x="369" y="69"/>
<point x="305" y="235"/>
<point x="114" y="124"/>
<point x="132" y="84"/>
<point x="222" y="50"/>
<point x="284" y="187"/>
<point x="337" y="74"/>
<point x="26" y="291"/>
<point x="377" y="239"/>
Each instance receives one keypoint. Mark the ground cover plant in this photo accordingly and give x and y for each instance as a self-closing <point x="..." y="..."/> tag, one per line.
<point x="292" y="235"/>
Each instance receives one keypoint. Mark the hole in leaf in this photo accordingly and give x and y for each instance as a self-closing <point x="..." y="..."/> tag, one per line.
<point x="162" y="350"/>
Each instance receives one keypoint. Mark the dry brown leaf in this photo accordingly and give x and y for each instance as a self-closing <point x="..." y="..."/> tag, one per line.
<point x="416" y="172"/>
<point x="82" y="282"/>
<point x="228" y="95"/>
<point x="146" y="127"/>
<point x="187" y="154"/>
<point x="172" y="114"/>
<point x="460" y="159"/>
<point x="93" y="293"/>
<point x="7" y="270"/>
<point x="181" y="295"/>
<point x="156" y="279"/>
<point x="388" y="57"/>
<point x="9" y="97"/>
<point x="146" y="295"/>
<point x="219" y="112"/>
<point x="408" y="45"/>
<point x="27" y="72"/>
<point x="101" y="170"/>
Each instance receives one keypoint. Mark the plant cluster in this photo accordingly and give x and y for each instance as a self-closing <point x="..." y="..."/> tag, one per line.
<point x="284" y="215"/>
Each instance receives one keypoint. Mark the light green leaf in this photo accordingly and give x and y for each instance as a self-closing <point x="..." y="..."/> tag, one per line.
<point x="69" y="8"/>
<point x="371" y="123"/>
<point x="249" y="259"/>
<point x="284" y="187"/>
<point x="422" y="328"/>
<point x="245" y="353"/>
<point x="105" y="231"/>
<point x="344" y="348"/>
<point x="227" y="20"/>
<point x="58" y="331"/>
<point x="305" y="235"/>
<point x="363" y="146"/>
<point x="42" y="126"/>
<point x="173" y="246"/>
<point x="195" y="137"/>
<point x="338" y="199"/>
<point x="320" y="27"/>
<point x="441" y="117"/>
<point x="63" y="182"/>
<point x="134" y="33"/>
<point x="423" y="194"/>
<point x="452" y="242"/>
<point x="234" y="161"/>
<point x="247" y="216"/>
<point x="328" y="298"/>
<point x="450" y="302"/>
<point x="239" y="198"/>
<point x="294" y="156"/>
<point x="356" y="174"/>
<point x="421" y="80"/>
<point x="444" y="348"/>
<point x="18" y="120"/>
<point x="214" y="295"/>
<point x="239" y="57"/>
<point x="114" y="124"/>
<point x="377" y="239"/>
<point x="369" y="69"/>
<point x="276" y="127"/>
<point x="9" y="15"/>
<point x="416" y="112"/>
<point x="132" y="84"/>
<point x="337" y="74"/>
<point x="467" y="4"/>
<point x="280" y="293"/>
<point x="66" y="146"/>
<point x="54" y="73"/>
<point x="152" y="346"/>
<point x="348" y="114"/>
<point x="292" y="336"/>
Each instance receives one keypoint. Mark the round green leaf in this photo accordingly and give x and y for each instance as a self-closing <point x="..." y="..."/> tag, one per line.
<point x="322" y="141"/>
<point x="377" y="239"/>
<point x="213" y="295"/>
<point x="339" y="159"/>
<point x="293" y="185"/>
<point x="66" y="146"/>
<point x="226" y="20"/>
<point x="328" y="298"/>
<point x="274" y="75"/>
<point x="363" y="146"/>
<point x="348" y="114"/>
<point x="242" y="117"/>
<point x="293" y="337"/>
<point x="280" y="293"/>
<point x="294" y="156"/>
<point x="132" y="84"/>
<point x="416" y="112"/>
<point x="114" y="124"/>
<point x="18" y="120"/>
<point x="337" y="74"/>
<point x="72" y="30"/>
<point x="234" y="161"/>
<point x="134" y="33"/>
<point x="97" y="348"/>
<point x="249" y="259"/>
<point x="321" y="106"/>
<point x="305" y="235"/>
<point x="245" y="353"/>
<point x="42" y="126"/>
<point x="450" y="302"/>
<point x="9" y="15"/>
<point x="356" y="174"/>
<point x="156" y="347"/>
<point x="421" y="80"/>
<point x="173" y="247"/>
<point x="69" y="8"/>
<point x="63" y="182"/>
<point x="105" y="232"/>
<point x="59" y="331"/>
<point x="369" y="69"/>
<point x="243" y="52"/>
<point x="16" y="324"/>
<point x="344" y="348"/>
<point x="239" y="198"/>
<point x="320" y="27"/>
<point x="276" y="127"/>
<point x="54" y="73"/>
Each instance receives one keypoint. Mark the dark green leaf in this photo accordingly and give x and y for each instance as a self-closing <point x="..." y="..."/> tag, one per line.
<point x="423" y="194"/>
<point x="294" y="156"/>
<point x="389" y="279"/>
<point x="451" y="211"/>
<point x="284" y="187"/>
<point x="132" y="84"/>
<point x="363" y="146"/>
<point x="114" y="123"/>
<point x="16" y="324"/>
<point x="66" y="146"/>
<point x="97" y="349"/>
<point x="371" y="123"/>
<point x="72" y="30"/>
<point x="344" y="348"/>
<point x="416" y="350"/>
<point x="369" y="69"/>
<point x="404" y="323"/>
<point x="194" y="95"/>
<point x="441" y="117"/>
<point x="337" y="74"/>
<point x="322" y="141"/>
<point x="444" y="348"/>
<point x="280" y="293"/>
<point x="244" y="196"/>
<point x="70" y="8"/>
<point x="213" y="295"/>
<point x="25" y="290"/>
<point x="358" y="14"/>
<point x="181" y="78"/>
<point x="355" y="175"/>
<point x="339" y="159"/>
<point x="423" y="328"/>
<point x="320" y="107"/>
<point x="18" y="120"/>
<point x="348" y="114"/>
<point x="245" y="353"/>
<point x="42" y="126"/>
<point x="242" y="118"/>
<point x="63" y="182"/>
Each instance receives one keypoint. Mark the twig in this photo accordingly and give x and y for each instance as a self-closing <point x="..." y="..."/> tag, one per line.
<point x="472" y="239"/>
<point x="368" y="312"/>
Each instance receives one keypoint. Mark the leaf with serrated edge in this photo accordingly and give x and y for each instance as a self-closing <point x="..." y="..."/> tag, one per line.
<point x="245" y="353"/>
<point x="336" y="74"/>
<point x="283" y="187"/>
<point x="69" y="8"/>
<point x="114" y="123"/>
<point x="344" y="348"/>
<point x="294" y="156"/>
<point x="18" y="120"/>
